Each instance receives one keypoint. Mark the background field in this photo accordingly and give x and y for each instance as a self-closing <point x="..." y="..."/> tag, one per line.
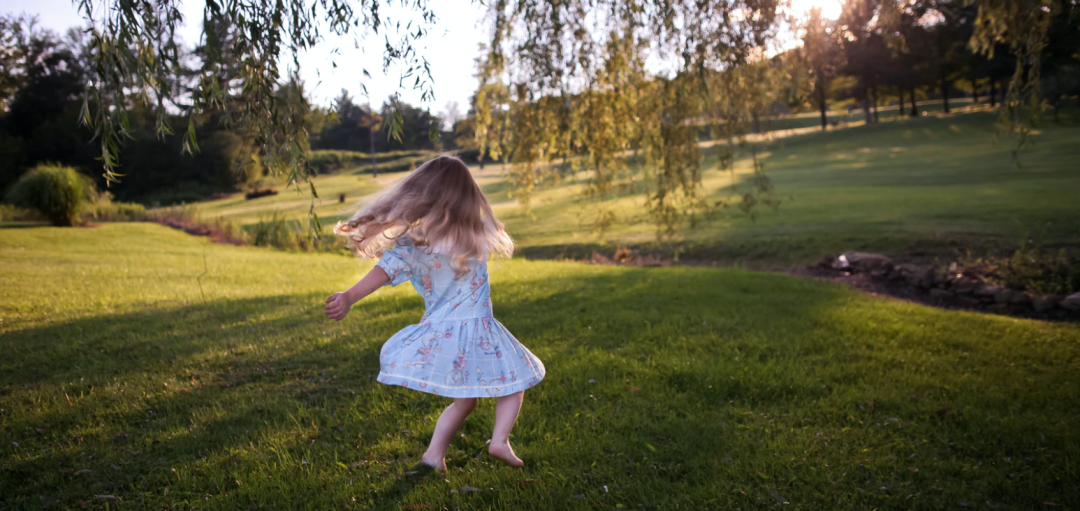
<point x="151" y="366"/>
<point x="933" y="186"/>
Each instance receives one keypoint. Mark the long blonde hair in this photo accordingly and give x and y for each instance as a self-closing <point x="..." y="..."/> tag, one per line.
<point x="438" y="205"/>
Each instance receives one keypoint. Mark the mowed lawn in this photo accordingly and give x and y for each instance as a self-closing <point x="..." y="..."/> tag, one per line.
<point x="144" y="364"/>
<point x="931" y="185"/>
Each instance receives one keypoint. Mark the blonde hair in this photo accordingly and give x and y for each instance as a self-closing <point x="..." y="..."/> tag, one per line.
<point x="437" y="205"/>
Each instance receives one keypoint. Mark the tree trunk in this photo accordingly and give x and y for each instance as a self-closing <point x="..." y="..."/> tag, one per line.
<point x="866" y="105"/>
<point x="914" y="105"/>
<point x="821" y="107"/>
<point x="876" y="118"/>
<point x="900" y="96"/>
<point x="993" y="92"/>
<point x="974" y="92"/>
<point x="371" y="138"/>
<point x="944" y="92"/>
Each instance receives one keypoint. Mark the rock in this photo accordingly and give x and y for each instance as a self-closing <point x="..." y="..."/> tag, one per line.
<point x="826" y="261"/>
<point x="1046" y="302"/>
<point x="940" y="279"/>
<point x="964" y="285"/>
<point x="1071" y="302"/>
<point x="939" y="294"/>
<point x="926" y="281"/>
<point x="879" y="274"/>
<point x="1020" y="298"/>
<point x="865" y="261"/>
<point x="998" y="308"/>
<point x="908" y="272"/>
<point x="841" y="263"/>
<point x="987" y="290"/>
<point x="1003" y="296"/>
<point x="970" y="301"/>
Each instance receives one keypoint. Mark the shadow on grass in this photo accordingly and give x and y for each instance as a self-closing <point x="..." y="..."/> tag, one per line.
<point x="658" y="380"/>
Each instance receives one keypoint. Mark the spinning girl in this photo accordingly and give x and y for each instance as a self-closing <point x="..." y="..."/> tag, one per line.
<point x="435" y="229"/>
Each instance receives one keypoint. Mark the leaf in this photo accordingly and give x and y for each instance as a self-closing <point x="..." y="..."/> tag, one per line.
<point x="651" y="448"/>
<point x="83" y="471"/>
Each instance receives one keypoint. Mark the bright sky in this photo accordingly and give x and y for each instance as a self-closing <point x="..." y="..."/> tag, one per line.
<point x="450" y="49"/>
<point x="830" y="9"/>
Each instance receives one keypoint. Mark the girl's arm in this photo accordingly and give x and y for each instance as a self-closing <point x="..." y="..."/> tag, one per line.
<point x="338" y="304"/>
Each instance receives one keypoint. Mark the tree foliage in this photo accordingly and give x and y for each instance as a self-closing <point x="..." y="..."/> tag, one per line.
<point x="573" y="82"/>
<point x="607" y="87"/>
<point x="137" y="60"/>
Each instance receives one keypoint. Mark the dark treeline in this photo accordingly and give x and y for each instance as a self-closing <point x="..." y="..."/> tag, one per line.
<point x="43" y="77"/>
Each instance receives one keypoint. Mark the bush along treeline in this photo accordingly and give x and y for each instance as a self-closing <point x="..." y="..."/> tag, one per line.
<point x="63" y="197"/>
<point x="43" y="79"/>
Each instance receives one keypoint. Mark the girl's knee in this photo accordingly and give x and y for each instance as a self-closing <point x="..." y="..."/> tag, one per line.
<point x="465" y="403"/>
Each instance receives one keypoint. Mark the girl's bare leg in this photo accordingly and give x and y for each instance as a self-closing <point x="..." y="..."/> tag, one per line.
<point x="506" y="413"/>
<point x="449" y="423"/>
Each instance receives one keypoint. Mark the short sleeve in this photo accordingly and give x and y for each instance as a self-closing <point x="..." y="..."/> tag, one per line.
<point x="395" y="262"/>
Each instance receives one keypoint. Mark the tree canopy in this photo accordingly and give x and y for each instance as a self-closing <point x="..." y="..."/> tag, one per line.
<point x="608" y="87"/>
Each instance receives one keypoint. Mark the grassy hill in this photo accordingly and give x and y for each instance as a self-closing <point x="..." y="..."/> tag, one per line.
<point x="148" y="366"/>
<point x="926" y="187"/>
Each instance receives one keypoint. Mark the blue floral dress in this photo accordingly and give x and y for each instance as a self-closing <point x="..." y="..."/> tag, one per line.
<point x="458" y="349"/>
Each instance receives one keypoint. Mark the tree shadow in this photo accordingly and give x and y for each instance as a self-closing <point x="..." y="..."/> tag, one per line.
<point x="663" y="378"/>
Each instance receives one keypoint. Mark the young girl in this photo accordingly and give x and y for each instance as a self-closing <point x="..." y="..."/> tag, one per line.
<point x="435" y="229"/>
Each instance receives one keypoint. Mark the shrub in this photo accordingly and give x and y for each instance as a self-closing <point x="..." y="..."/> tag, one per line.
<point x="56" y="192"/>
<point x="1040" y="271"/>
<point x="290" y="235"/>
<point x="259" y="192"/>
<point x="107" y="211"/>
<point x="10" y="213"/>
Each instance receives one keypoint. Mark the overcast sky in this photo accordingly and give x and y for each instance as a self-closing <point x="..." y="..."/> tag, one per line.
<point x="450" y="49"/>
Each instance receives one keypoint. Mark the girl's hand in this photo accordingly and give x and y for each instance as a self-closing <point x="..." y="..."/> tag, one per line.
<point x="338" y="306"/>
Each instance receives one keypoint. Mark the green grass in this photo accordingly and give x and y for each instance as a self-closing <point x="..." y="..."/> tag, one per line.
<point x="293" y="203"/>
<point x="844" y="117"/>
<point x="148" y="365"/>
<point x="930" y="185"/>
<point x="936" y="186"/>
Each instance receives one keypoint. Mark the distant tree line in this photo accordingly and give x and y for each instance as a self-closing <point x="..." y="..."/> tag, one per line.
<point x="881" y="51"/>
<point x="43" y="80"/>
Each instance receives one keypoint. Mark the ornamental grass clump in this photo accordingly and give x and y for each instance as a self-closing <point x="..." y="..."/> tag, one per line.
<point x="56" y="192"/>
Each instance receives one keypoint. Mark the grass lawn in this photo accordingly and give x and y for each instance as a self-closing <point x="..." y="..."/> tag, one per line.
<point x="294" y="204"/>
<point x="929" y="185"/>
<point x="148" y="365"/>
<point x="933" y="186"/>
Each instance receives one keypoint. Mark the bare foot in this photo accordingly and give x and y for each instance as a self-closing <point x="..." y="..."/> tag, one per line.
<point x="505" y="453"/>
<point x="433" y="462"/>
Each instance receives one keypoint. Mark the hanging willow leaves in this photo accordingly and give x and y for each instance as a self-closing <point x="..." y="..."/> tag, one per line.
<point x="1022" y="26"/>
<point x="581" y="95"/>
<point x="610" y="88"/>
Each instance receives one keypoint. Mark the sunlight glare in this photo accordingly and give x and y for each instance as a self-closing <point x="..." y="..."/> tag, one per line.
<point x="830" y="9"/>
